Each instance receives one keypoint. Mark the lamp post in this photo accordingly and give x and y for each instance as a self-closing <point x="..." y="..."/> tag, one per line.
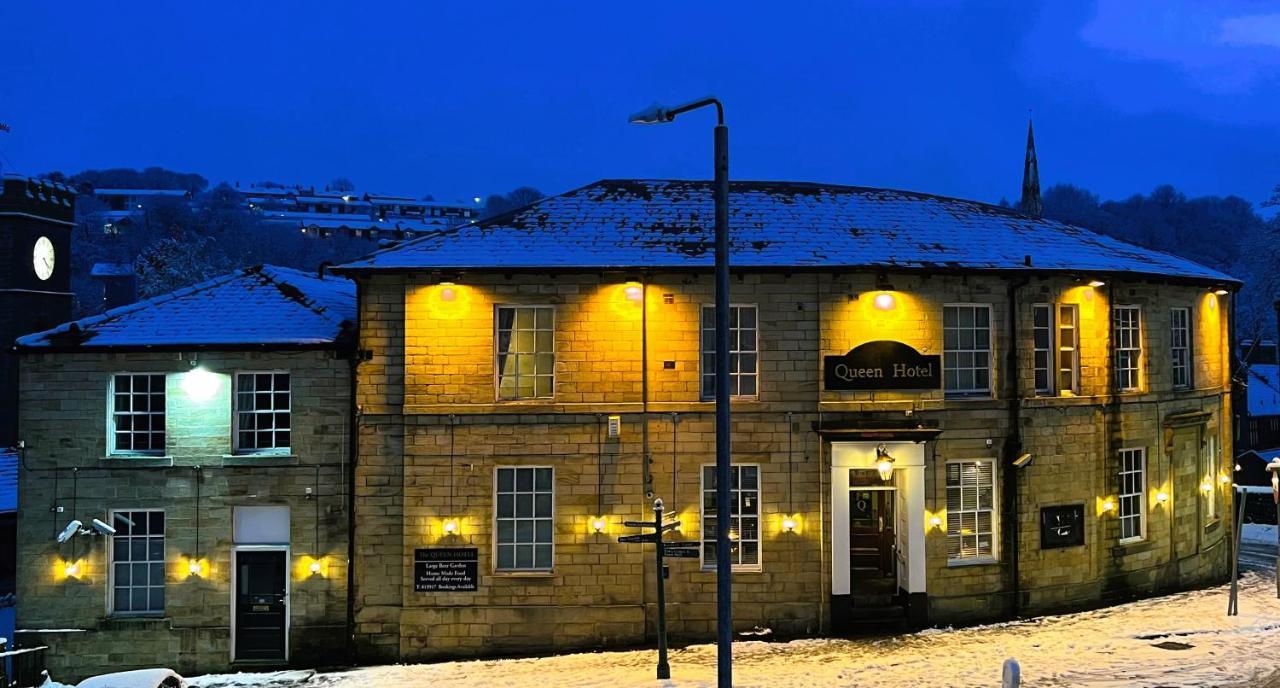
<point x="724" y="567"/>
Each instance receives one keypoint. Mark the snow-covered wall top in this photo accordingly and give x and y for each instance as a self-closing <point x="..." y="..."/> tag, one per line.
<point x="669" y="223"/>
<point x="258" y="306"/>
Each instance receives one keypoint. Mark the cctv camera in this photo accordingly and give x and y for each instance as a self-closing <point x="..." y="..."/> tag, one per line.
<point x="1022" y="461"/>
<point x="102" y="528"/>
<point x="69" y="532"/>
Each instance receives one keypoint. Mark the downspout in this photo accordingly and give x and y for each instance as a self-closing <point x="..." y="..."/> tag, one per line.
<point x="353" y="450"/>
<point x="1013" y="447"/>
<point x="646" y="459"/>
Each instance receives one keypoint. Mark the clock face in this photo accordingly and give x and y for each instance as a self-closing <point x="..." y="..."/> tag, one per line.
<point x="42" y="258"/>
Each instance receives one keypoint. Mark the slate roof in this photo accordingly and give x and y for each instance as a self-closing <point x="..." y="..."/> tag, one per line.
<point x="1264" y="389"/>
<point x="257" y="306"/>
<point x="619" y="223"/>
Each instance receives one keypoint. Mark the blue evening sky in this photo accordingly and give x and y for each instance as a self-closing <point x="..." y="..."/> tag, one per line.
<point x="470" y="98"/>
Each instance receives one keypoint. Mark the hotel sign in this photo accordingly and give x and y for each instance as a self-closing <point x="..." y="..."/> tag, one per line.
<point x="446" y="569"/>
<point x="881" y="365"/>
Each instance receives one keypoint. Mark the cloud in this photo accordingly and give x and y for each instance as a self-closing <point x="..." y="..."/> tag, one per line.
<point x="1251" y="30"/>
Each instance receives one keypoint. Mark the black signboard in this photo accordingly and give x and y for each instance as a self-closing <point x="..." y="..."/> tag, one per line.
<point x="1061" y="526"/>
<point x="681" y="550"/>
<point x="881" y="365"/>
<point x="446" y="569"/>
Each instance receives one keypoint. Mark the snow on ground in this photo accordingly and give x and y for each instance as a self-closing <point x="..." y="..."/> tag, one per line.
<point x="1259" y="532"/>
<point x="1116" y="647"/>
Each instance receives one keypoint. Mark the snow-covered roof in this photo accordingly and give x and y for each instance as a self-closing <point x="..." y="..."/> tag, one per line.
<point x="140" y="192"/>
<point x="330" y="221"/>
<point x="111" y="270"/>
<point x="627" y="223"/>
<point x="1264" y="389"/>
<point x="258" y="306"/>
<point x="8" y="480"/>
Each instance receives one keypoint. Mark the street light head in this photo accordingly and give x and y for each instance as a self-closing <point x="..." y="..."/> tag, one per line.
<point x="654" y="114"/>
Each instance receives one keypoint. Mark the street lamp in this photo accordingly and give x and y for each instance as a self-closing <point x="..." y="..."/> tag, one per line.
<point x="658" y="114"/>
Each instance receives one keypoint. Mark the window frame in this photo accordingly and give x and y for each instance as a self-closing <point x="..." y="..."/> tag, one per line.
<point x="111" y="567"/>
<point x="495" y="568"/>
<point x="1186" y="348"/>
<point x="734" y="378"/>
<point x="709" y="565"/>
<point x="112" y="450"/>
<point x="497" y="368"/>
<point x="1140" y="496"/>
<point x="975" y="393"/>
<point x="1074" y="350"/>
<point x="1049" y="350"/>
<point x="977" y="559"/>
<point x="1117" y="350"/>
<point x="235" y="414"/>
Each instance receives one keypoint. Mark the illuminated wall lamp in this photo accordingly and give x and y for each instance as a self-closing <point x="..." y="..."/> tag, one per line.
<point x="1097" y="283"/>
<point x="1162" y="497"/>
<point x="1220" y="292"/>
<point x="1224" y="479"/>
<point x="788" y="524"/>
<point x="1108" y="505"/>
<point x="884" y="463"/>
<point x="598" y="524"/>
<point x="71" y="569"/>
<point x="193" y="568"/>
<point x="935" y="522"/>
<point x="451" y="526"/>
<point x="447" y="291"/>
<point x="315" y="567"/>
<point x="633" y="291"/>
<point x="884" y="301"/>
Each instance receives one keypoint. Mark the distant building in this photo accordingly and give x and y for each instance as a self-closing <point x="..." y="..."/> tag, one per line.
<point x="324" y="214"/>
<point x="119" y="283"/>
<point x="1259" y="426"/>
<point x="126" y="208"/>
<point x="211" y="428"/>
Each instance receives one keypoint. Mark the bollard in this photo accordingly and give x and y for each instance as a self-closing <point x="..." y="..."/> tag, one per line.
<point x="1012" y="674"/>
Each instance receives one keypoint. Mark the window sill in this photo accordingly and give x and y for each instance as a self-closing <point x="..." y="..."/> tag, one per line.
<point x="1212" y="525"/>
<point x="961" y="396"/>
<point x="1129" y="542"/>
<point x="523" y="574"/>
<point x="736" y="569"/>
<point x="140" y="459"/>
<point x="259" y="459"/>
<point x="976" y="561"/>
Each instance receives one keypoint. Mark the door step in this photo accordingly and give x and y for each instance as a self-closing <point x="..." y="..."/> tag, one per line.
<point x="890" y="618"/>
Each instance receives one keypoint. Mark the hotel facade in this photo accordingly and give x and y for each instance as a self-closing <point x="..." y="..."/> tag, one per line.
<point x="943" y="412"/>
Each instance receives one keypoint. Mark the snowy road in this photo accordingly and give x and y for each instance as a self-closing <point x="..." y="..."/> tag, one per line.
<point x="1177" y="641"/>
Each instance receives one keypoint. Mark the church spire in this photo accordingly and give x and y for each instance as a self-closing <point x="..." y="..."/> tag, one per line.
<point x="1030" y="203"/>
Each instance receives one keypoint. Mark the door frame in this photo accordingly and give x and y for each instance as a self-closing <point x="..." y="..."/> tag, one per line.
<point x="908" y="483"/>
<point x="897" y="537"/>
<point x="288" y="594"/>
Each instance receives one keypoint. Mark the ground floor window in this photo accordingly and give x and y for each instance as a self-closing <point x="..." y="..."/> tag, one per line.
<point x="743" y="519"/>
<point x="971" y="487"/>
<point x="1133" y="489"/>
<point x="525" y="518"/>
<point x="137" y="563"/>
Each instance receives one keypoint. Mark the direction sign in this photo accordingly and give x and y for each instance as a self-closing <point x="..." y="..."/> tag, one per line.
<point x="679" y="552"/>
<point x="638" y="538"/>
<point x="638" y="524"/>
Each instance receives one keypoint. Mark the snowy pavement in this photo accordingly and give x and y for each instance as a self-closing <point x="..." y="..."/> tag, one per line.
<point x="1181" y="640"/>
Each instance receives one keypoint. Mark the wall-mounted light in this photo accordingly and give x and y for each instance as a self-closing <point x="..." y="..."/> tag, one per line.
<point x="1206" y="487"/>
<point x="598" y="524"/>
<point x="633" y="291"/>
<point x="201" y="384"/>
<point x="884" y="301"/>
<point x="450" y="526"/>
<point x="447" y="291"/>
<point x="193" y="568"/>
<point x="1162" y="497"/>
<point x="788" y="524"/>
<point x="314" y="568"/>
<point x="1097" y="283"/>
<point x="1108" y="505"/>
<point x="1220" y="292"/>
<point x="935" y="522"/>
<point x="884" y="463"/>
<point x="1022" y="461"/>
<point x="1224" y="479"/>
<point x="71" y="569"/>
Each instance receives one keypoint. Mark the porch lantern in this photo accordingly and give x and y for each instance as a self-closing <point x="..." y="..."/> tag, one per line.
<point x="884" y="463"/>
<point x="450" y="526"/>
<point x="598" y="524"/>
<point x="788" y="524"/>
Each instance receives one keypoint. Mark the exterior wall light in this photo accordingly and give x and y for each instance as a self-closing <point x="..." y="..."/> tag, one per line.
<point x="1162" y="497"/>
<point x="1108" y="505"/>
<point x="884" y="301"/>
<point x="193" y="568"/>
<point x="598" y="524"/>
<point x="71" y="569"/>
<point x="884" y="463"/>
<point x="1220" y="292"/>
<point x="200" y="384"/>
<point x="1224" y="479"/>
<point x="788" y="524"/>
<point x="315" y="567"/>
<point x="633" y="291"/>
<point x="1097" y="283"/>
<point x="935" y="522"/>
<point x="447" y="292"/>
<point x="1206" y="487"/>
<point x="451" y="526"/>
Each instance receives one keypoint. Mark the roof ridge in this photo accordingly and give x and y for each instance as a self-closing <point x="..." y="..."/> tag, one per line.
<point x="293" y="293"/>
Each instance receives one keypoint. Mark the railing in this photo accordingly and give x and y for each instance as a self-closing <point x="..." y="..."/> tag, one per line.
<point x="22" y="668"/>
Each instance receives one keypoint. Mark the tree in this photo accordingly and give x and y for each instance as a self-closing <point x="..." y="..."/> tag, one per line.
<point x="342" y="185"/>
<point x="497" y="204"/>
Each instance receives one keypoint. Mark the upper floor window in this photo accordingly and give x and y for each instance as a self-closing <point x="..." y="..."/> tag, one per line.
<point x="743" y="518"/>
<point x="138" y="413"/>
<point x="971" y="510"/>
<point x="262" y="411"/>
<point x="1180" y="346"/>
<point x="525" y="518"/>
<point x="526" y="356"/>
<point x="137" y="563"/>
<point x="966" y="349"/>
<point x="1133" y="490"/>
<point x="1127" y="325"/>
<point x="1057" y="356"/>
<point x="744" y="351"/>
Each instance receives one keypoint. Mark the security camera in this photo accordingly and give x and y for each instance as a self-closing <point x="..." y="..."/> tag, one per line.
<point x="102" y="528"/>
<point x="69" y="532"/>
<point x="1022" y="461"/>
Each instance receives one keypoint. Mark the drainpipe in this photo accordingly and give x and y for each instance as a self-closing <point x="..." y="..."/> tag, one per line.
<point x="353" y="450"/>
<point x="1013" y="446"/>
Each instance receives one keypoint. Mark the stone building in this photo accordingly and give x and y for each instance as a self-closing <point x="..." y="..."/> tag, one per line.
<point x="177" y="450"/>
<point x="944" y="412"/>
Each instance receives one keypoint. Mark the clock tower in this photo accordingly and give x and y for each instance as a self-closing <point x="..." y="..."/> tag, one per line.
<point x="36" y="217"/>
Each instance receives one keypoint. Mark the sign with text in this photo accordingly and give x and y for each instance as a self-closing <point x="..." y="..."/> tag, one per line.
<point x="1061" y="526"/>
<point x="446" y="569"/>
<point x="881" y="365"/>
<point x="681" y="550"/>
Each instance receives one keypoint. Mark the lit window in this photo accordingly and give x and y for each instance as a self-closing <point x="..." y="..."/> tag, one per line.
<point x="966" y="349"/>
<point x="137" y="563"/>
<point x="1133" y="489"/>
<point x="525" y="518"/>
<point x="1068" y="349"/>
<point x="971" y="510"/>
<point x="744" y="351"/>
<point x="1180" y="346"/>
<point x="262" y="411"/>
<point x="1127" y="324"/>
<point x="138" y="414"/>
<point x="744" y="516"/>
<point x="526" y="358"/>
<point x="1042" y="351"/>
